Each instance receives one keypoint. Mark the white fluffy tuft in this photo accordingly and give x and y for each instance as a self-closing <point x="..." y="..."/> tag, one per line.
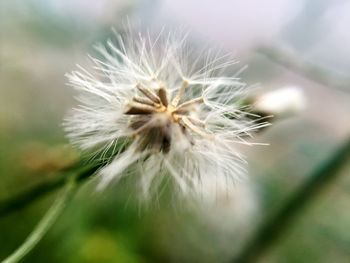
<point x="203" y="139"/>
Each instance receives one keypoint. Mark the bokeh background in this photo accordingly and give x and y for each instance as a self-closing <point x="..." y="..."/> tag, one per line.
<point x="302" y="43"/>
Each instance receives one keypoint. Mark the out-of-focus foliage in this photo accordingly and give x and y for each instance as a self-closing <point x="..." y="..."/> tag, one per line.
<point x="42" y="40"/>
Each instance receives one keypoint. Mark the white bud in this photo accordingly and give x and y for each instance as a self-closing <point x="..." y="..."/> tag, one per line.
<point x="282" y="102"/>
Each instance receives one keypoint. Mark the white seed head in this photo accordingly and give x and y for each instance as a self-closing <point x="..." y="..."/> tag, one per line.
<point x="154" y="107"/>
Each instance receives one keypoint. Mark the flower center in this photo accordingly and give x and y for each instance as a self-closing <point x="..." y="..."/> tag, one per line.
<point x="155" y="121"/>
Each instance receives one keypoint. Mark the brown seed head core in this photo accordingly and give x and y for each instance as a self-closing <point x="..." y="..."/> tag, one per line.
<point x="153" y="117"/>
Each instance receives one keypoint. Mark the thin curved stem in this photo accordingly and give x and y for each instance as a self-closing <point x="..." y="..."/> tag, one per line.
<point x="20" y="200"/>
<point x="45" y="223"/>
<point x="273" y="228"/>
<point x="307" y="69"/>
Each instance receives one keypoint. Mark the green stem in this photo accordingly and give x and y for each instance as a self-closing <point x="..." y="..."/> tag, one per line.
<point x="45" y="223"/>
<point x="273" y="228"/>
<point x="26" y="197"/>
<point x="307" y="69"/>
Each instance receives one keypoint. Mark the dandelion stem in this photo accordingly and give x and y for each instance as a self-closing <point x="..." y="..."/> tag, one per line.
<point x="45" y="223"/>
<point x="273" y="228"/>
<point x="307" y="69"/>
<point x="20" y="200"/>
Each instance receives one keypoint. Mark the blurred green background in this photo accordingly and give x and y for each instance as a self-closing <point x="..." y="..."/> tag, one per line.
<point x="42" y="40"/>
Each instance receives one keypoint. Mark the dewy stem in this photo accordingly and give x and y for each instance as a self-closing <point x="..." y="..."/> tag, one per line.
<point x="45" y="223"/>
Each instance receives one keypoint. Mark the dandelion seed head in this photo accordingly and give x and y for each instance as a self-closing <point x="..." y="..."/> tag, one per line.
<point x="160" y="108"/>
